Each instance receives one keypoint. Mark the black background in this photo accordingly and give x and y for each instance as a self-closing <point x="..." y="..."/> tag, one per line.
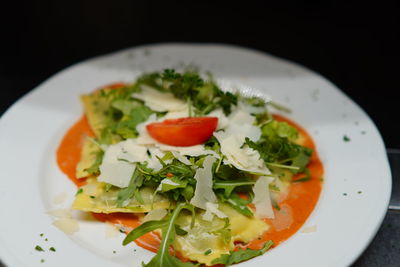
<point x="353" y="44"/>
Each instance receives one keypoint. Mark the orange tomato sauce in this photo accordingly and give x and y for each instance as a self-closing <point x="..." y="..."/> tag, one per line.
<point x="294" y="209"/>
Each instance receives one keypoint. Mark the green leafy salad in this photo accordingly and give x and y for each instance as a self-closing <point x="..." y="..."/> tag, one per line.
<point x="202" y="167"/>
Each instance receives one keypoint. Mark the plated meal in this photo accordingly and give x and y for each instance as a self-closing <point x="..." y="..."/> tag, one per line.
<point x="194" y="173"/>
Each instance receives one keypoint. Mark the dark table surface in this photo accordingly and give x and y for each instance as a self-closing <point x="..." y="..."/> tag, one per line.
<point x="355" y="45"/>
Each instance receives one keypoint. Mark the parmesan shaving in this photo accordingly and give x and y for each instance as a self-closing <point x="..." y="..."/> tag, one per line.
<point x="111" y="230"/>
<point x="262" y="199"/>
<point x="60" y="198"/>
<point x="113" y="170"/>
<point x="159" y="101"/>
<point x="309" y="229"/>
<point x="155" y="215"/>
<point x="181" y="158"/>
<point x="204" y="192"/>
<point x="67" y="225"/>
<point x="132" y="152"/>
<point x="166" y="181"/>
<point x="211" y="210"/>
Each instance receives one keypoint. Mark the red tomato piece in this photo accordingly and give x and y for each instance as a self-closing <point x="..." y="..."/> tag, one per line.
<point x="188" y="131"/>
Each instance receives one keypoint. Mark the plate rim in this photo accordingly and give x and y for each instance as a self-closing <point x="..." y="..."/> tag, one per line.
<point x="3" y="249"/>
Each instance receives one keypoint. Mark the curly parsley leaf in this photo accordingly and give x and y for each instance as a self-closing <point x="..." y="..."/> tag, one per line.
<point x="277" y="149"/>
<point x="242" y="255"/>
<point x="204" y="96"/>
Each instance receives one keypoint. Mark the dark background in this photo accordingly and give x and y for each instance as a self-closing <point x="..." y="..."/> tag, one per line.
<point x="353" y="44"/>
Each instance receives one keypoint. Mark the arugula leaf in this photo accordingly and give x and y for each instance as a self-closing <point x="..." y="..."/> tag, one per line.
<point x="126" y="106"/>
<point x="229" y="186"/>
<point x="126" y="127"/>
<point x="163" y="258"/>
<point x="144" y="228"/>
<point x="168" y="187"/>
<point x="224" y="232"/>
<point x="128" y="192"/>
<point x="95" y="168"/>
<point x="226" y="172"/>
<point x="280" y="129"/>
<point x="179" y="230"/>
<point x="204" y="96"/>
<point x="305" y="178"/>
<point x="236" y="202"/>
<point x="277" y="149"/>
<point x="241" y="255"/>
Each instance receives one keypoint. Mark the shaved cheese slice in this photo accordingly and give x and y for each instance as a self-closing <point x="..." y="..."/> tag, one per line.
<point x="160" y="101"/>
<point x="223" y="121"/>
<point x="193" y="151"/>
<point x="144" y="138"/>
<point x="250" y="108"/>
<point x="176" y="114"/>
<point x="64" y="220"/>
<point x="262" y="199"/>
<point x="181" y="158"/>
<point x="243" y="158"/>
<point x="155" y="215"/>
<point x="153" y="162"/>
<point x="111" y="230"/>
<point x="60" y="213"/>
<point x="211" y="210"/>
<point x="241" y="117"/>
<point x="132" y="152"/>
<point x="309" y="229"/>
<point x="60" y="198"/>
<point x="166" y="181"/>
<point x="114" y="171"/>
<point x="67" y="225"/>
<point x="204" y="192"/>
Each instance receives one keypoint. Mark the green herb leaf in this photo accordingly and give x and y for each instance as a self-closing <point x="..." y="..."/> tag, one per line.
<point x="241" y="255"/>
<point x="52" y="249"/>
<point x="238" y="203"/>
<point x="204" y="96"/>
<point x="305" y="178"/>
<point x="165" y="187"/>
<point x="80" y="190"/>
<point x="229" y="186"/>
<point x="277" y="149"/>
<point x="144" y="229"/>
<point x="95" y="168"/>
<point x="208" y="252"/>
<point x="179" y="230"/>
<point x="163" y="258"/>
<point x="128" y="192"/>
<point x="39" y="248"/>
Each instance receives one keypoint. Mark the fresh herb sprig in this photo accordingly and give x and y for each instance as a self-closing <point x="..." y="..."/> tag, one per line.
<point x="169" y="231"/>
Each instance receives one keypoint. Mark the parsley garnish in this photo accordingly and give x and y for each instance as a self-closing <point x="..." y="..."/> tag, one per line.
<point x="80" y="190"/>
<point x="346" y="138"/>
<point x="52" y="249"/>
<point x="39" y="248"/>
<point x="208" y="252"/>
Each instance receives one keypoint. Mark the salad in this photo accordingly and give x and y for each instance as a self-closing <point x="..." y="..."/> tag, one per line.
<point x="196" y="174"/>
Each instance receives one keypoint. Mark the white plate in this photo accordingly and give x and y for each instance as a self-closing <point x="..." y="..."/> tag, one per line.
<point x="353" y="201"/>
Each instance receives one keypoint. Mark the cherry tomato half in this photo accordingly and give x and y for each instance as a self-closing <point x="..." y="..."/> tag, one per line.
<point x="188" y="131"/>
